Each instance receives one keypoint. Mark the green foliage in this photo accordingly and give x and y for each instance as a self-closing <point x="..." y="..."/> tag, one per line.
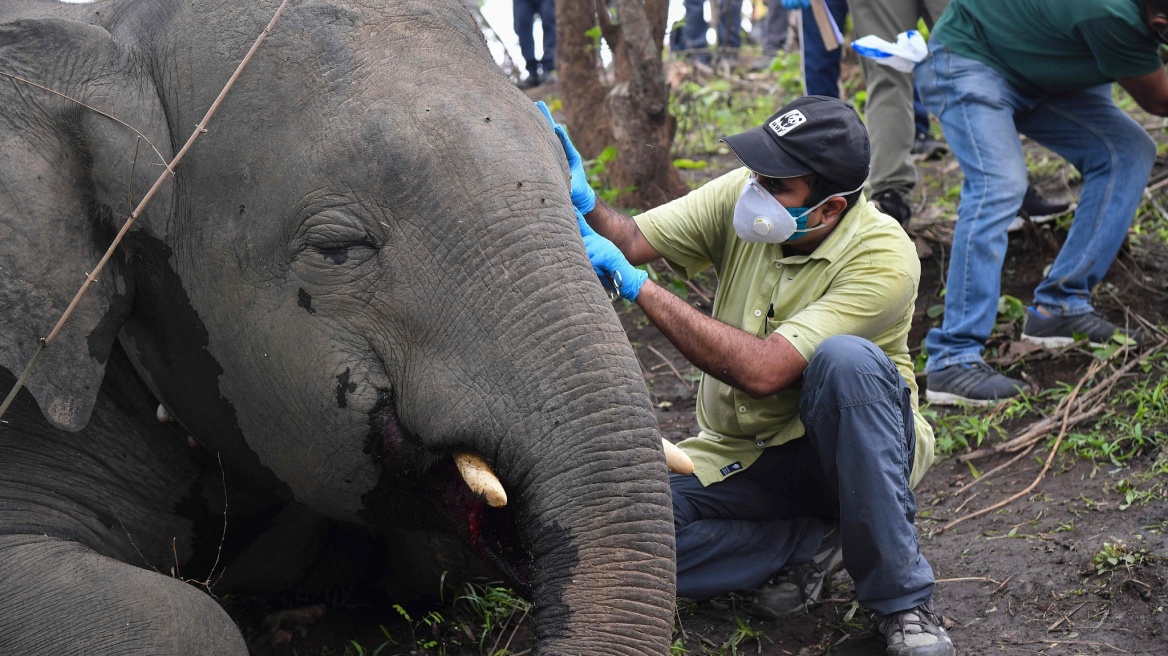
<point x="961" y="432"/>
<point x="597" y="170"/>
<point x="1115" y="555"/>
<point x="594" y="34"/>
<point x="1011" y="311"/>
<point x="708" y="112"/>
<point x="482" y="619"/>
<point x="743" y="634"/>
<point x="1136" y="423"/>
<point x="790" y="71"/>
<point x="491" y="608"/>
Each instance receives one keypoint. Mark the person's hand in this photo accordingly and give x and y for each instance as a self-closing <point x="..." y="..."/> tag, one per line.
<point x="610" y="264"/>
<point x="796" y="4"/>
<point x="583" y="197"/>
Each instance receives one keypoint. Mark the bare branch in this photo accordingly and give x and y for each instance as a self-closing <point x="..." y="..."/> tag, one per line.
<point x="91" y="108"/>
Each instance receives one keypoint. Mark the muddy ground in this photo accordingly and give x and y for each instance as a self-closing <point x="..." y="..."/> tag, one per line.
<point x="1020" y="580"/>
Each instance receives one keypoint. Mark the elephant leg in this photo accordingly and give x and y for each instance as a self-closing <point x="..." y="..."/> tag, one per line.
<point x="59" y="597"/>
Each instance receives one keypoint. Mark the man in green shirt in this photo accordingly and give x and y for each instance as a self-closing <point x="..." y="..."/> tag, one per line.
<point x="810" y="434"/>
<point x="1043" y="68"/>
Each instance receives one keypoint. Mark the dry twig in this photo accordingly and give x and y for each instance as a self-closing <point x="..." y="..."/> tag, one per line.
<point x="1095" y="367"/>
<point x="670" y="363"/>
<point x="1039" y="429"/>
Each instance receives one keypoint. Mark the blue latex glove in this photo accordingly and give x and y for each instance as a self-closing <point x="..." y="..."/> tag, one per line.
<point x="583" y="197"/>
<point x="796" y="4"/>
<point x="610" y="264"/>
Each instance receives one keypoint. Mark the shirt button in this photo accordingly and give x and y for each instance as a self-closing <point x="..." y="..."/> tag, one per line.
<point x="758" y="313"/>
<point x="778" y="265"/>
<point x="760" y="444"/>
<point x="741" y="409"/>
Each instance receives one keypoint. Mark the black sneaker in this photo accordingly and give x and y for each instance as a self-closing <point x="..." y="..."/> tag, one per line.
<point x="1038" y="210"/>
<point x="530" y="82"/>
<point x="925" y="147"/>
<point x="893" y="204"/>
<point x="915" y="632"/>
<point x="796" y="587"/>
<point x="1055" y="332"/>
<point x="975" y="383"/>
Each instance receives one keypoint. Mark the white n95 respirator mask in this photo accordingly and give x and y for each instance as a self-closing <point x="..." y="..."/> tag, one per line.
<point x="759" y="218"/>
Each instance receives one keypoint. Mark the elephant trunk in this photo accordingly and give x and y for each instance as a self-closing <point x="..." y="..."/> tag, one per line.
<point x="566" y="424"/>
<point x="599" y="531"/>
<point x="590" y="486"/>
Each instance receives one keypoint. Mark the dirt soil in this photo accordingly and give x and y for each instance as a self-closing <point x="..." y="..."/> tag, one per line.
<point x="1019" y="580"/>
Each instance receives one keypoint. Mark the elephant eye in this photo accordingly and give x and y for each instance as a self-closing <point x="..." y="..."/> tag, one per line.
<point x="337" y="239"/>
<point x="341" y="253"/>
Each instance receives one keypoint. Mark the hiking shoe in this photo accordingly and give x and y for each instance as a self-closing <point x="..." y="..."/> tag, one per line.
<point x="974" y="383"/>
<point x="530" y="82"/>
<point x="915" y="632"/>
<point x="1038" y="210"/>
<point x="1054" y="332"/>
<point x="796" y="587"/>
<point x="925" y="147"/>
<point x="893" y="204"/>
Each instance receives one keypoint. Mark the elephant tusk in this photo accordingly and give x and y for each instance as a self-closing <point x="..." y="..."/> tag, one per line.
<point x="480" y="479"/>
<point x="676" y="459"/>
<point x="162" y="415"/>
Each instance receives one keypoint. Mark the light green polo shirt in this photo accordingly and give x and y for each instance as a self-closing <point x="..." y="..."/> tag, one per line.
<point x="862" y="280"/>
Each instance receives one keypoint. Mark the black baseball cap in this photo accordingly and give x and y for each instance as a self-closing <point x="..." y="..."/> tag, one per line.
<point x="812" y="134"/>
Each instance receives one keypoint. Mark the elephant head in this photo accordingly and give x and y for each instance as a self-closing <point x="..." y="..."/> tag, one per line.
<point x="368" y="263"/>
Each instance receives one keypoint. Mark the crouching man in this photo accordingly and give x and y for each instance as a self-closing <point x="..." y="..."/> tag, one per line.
<point x="810" y="435"/>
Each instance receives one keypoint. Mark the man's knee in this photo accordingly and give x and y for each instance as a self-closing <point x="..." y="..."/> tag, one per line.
<point x="1125" y="150"/>
<point x="843" y="355"/>
<point x="1142" y="148"/>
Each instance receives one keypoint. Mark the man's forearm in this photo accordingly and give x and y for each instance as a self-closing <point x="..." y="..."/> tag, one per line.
<point x="754" y="365"/>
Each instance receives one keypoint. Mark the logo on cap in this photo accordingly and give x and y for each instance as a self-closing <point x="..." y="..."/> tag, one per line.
<point x="787" y="122"/>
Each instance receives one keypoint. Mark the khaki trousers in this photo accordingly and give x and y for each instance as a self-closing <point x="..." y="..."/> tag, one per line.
<point x="889" y="110"/>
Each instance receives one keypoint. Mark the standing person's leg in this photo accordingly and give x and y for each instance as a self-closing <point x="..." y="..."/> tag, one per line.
<point x="547" y="17"/>
<point x="889" y="110"/>
<point x="775" y="33"/>
<point x="1115" y="155"/>
<point x="693" y="34"/>
<point x="920" y="114"/>
<point x="730" y="33"/>
<point x="924" y="145"/>
<point x="523" y="13"/>
<point x="857" y="410"/>
<point x="976" y="106"/>
<point x="736" y="534"/>
<point x="821" y="67"/>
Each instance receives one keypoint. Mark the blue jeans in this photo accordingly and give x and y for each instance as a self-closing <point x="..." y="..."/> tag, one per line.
<point x="853" y="465"/>
<point x="524" y="12"/>
<point x="982" y="115"/>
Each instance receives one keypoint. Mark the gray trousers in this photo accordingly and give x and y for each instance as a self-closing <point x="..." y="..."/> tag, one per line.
<point x="774" y="36"/>
<point x="853" y="465"/>
<point x="889" y="110"/>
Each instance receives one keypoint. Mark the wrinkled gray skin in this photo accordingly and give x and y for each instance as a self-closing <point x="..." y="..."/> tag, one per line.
<point x="369" y="262"/>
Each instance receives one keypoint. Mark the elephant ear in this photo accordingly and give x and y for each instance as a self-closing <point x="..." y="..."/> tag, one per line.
<point x="67" y="175"/>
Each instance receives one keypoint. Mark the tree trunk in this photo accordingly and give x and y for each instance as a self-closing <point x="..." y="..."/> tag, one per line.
<point x="631" y="111"/>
